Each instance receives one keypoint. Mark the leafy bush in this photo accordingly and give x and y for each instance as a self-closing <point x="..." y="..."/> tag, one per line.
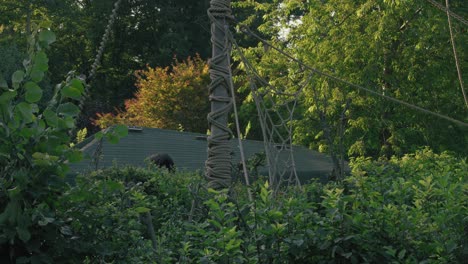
<point x="106" y="208"/>
<point x="34" y="151"/>
<point x="405" y="210"/>
<point x="414" y="208"/>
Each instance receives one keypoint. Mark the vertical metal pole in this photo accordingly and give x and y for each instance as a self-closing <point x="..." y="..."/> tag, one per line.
<point x="218" y="164"/>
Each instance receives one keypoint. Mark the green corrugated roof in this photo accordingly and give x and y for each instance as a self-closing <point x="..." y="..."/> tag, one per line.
<point x="189" y="152"/>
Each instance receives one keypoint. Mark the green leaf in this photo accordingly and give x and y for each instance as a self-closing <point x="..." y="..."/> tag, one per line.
<point x="26" y="132"/>
<point x="112" y="138"/>
<point x="51" y="117"/>
<point x="36" y="75"/>
<point x="69" y="122"/>
<point x="17" y="78"/>
<point x="77" y="84"/>
<point x="23" y="234"/>
<point x="68" y="109"/>
<point x="26" y="111"/>
<point x="33" y="92"/>
<point x="47" y="36"/>
<point x="71" y="92"/>
<point x="41" y="62"/>
<point x="121" y="130"/>
<point x="401" y="255"/>
<point x="7" y="96"/>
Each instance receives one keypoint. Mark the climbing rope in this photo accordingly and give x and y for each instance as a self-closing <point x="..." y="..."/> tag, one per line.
<point x="275" y="107"/>
<point x="452" y="14"/>
<point x="86" y="81"/>
<point x="218" y="163"/>
<point x="239" y="140"/>
<point x="455" y="56"/>
<point x="100" y="52"/>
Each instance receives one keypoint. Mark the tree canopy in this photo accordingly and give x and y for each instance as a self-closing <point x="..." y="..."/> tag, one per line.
<point x="145" y="32"/>
<point x="171" y="98"/>
<point x="396" y="48"/>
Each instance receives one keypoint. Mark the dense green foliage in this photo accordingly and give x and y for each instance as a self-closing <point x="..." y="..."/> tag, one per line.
<point x="405" y="210"/>
<point x="34" y="150"/>
<point x="105" y="211"/>
<point x="409" y="208"/>
<point x="395" y="48"/>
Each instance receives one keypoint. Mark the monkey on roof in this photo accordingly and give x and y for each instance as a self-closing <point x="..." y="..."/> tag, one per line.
<point x="162" y="160"/>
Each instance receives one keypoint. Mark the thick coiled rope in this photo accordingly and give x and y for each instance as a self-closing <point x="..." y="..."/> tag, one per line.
<point x="97" y="62"/>
<point x="100" y="52"/>
<point x="218" y="164"/>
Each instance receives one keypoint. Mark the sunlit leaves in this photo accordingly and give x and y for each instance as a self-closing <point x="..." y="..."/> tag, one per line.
<point x="171" y="98"/>
<point x="370" y="43"/>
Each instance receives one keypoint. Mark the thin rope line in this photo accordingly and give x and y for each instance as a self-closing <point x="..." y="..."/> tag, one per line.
<point x="418" y="108"/>
<point x="236" y="118"/>
<point x="457" y="64"/>
<point x="452" y="14"/>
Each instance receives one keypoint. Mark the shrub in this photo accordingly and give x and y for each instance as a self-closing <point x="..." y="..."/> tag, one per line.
<point x="34" y="152"/>
<point x="405" y="210"/>
<point x="106" y="209"/>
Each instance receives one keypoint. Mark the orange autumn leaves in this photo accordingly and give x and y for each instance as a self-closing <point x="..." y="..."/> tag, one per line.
<point x="174" y="97"/>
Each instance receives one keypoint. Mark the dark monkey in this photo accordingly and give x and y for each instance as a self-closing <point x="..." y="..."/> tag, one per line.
<point x="162" y="160"/>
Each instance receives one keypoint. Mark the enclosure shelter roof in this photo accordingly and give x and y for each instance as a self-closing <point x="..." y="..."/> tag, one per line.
<point x="189" y="152"/>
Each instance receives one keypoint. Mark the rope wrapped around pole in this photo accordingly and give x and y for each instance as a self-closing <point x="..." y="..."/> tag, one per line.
<point x="218" y="163"/>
